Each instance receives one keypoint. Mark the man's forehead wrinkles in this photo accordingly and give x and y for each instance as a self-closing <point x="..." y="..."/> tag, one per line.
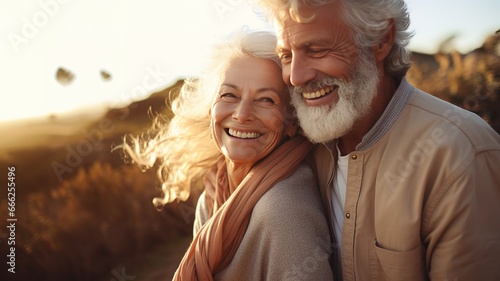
<point x="284" y="37"/>
<point x="300" y="38"/>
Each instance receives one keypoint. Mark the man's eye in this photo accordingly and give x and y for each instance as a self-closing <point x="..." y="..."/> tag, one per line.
<point x="286" y="58"/>
<point x="317" y="52"/>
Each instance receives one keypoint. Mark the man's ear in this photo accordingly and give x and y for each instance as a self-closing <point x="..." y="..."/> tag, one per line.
<point x="382" y="49"/>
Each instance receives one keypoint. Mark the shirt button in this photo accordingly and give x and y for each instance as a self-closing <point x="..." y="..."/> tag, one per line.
<point x="354" y="157"/>
<point x="347" y="215"/>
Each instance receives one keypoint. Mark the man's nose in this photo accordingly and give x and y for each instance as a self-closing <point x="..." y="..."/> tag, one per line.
<point x="300" y="71"/>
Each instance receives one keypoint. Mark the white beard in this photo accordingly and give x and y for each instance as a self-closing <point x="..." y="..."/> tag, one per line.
<point x="322" y="124"/>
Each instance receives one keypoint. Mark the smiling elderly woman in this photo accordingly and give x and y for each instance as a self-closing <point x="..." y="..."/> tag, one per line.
<point x="260" y="216"/>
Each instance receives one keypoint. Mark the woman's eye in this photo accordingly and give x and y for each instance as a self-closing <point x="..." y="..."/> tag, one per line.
<point x="267" y="100"/>
<point x="228" y="96"/>
<point x="285" y="58"/>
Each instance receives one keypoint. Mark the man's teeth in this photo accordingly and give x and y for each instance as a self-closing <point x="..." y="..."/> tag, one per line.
<point x="241" y="135"/>
<point x="318" y="93"/>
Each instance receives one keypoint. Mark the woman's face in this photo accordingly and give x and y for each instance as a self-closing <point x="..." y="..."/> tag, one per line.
<point x="250" y="112"/>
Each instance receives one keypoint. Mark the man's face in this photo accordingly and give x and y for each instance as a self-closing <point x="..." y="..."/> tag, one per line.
<point x="333" y="81"/>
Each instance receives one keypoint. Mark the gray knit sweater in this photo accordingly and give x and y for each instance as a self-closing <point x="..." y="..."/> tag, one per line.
<point x="287" y="236"/>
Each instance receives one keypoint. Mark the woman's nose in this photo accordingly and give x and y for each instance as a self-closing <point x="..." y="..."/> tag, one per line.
<point x="244" y="111"/>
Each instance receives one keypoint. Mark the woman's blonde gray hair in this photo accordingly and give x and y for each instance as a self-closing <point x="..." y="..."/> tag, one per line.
<point x="182" y="146"/>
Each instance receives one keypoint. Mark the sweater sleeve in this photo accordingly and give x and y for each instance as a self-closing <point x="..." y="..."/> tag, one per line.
<point x="287" y="237"/>
<point x="201" y="214"/>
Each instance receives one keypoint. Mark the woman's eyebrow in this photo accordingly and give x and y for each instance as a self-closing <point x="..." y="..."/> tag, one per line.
<point x="259" y="90"/>
<point x="230" y="85"/>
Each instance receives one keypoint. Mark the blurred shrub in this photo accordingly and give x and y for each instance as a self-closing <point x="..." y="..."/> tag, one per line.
<point x="90" y="224"/>
<point x="471" y="81"/>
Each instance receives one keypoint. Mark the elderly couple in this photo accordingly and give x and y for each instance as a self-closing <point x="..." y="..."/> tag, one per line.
<point x="320" y="161"/>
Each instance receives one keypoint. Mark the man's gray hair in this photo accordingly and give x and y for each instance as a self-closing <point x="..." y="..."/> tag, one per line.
<point x="369" y="19"/>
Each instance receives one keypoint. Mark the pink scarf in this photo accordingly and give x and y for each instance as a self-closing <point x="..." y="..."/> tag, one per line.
<point x="216" y="243"/>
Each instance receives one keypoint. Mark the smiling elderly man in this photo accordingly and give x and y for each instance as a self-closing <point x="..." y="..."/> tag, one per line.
<point x="411" y="182"/>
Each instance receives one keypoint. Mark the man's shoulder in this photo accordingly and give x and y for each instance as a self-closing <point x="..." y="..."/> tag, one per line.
<point x="425" y="111"/>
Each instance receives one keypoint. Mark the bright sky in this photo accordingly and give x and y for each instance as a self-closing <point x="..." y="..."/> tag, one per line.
<point x="145" y="45"/>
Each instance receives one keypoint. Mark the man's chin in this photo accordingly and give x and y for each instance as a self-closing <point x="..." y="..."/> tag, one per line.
<point x="323" y="137"/>
<point x="325" y="124"/>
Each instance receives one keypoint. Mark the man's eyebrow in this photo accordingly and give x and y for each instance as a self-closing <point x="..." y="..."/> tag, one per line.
<point x="280" y="50"/>
<point x="304" y="44"/>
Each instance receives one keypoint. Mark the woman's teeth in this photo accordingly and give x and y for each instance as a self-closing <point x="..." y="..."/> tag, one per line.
<point x="241" y="135"/>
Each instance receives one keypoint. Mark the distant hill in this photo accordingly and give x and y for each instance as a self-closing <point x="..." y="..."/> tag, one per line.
<point x="42" y="145"/>
<point x="140" y="111"/>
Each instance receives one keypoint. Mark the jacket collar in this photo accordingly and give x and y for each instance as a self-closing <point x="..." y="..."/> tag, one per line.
<point x="390" y="115"/>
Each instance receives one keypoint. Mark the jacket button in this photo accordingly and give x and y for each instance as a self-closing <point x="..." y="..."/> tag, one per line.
<point x="347" y="215"/>
<point x="354" y="157"/>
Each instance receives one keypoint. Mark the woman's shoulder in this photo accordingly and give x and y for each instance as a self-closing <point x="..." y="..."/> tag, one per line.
<point x="297" y="194"/>
<point x="287" y="225"/>
<point x="201" y="213"/>
<point x="302" y="184"/>
<point x="303" y="174"/>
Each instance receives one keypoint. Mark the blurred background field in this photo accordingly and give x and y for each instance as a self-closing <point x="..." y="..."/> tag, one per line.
<point x="83" y="213"/>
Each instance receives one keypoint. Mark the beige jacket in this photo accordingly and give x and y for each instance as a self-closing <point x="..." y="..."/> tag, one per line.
<point x="423" y="194"/>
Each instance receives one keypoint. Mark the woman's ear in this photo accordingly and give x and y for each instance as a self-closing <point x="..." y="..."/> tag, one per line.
<point x="210" y="124"/>
<point x="291" y="128"/>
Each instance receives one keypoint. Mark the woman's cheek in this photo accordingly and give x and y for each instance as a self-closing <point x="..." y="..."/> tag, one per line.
<point x="275" y="119"/>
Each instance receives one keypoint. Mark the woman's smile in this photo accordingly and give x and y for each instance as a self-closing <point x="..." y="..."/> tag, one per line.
<point x="242" y="135"/>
